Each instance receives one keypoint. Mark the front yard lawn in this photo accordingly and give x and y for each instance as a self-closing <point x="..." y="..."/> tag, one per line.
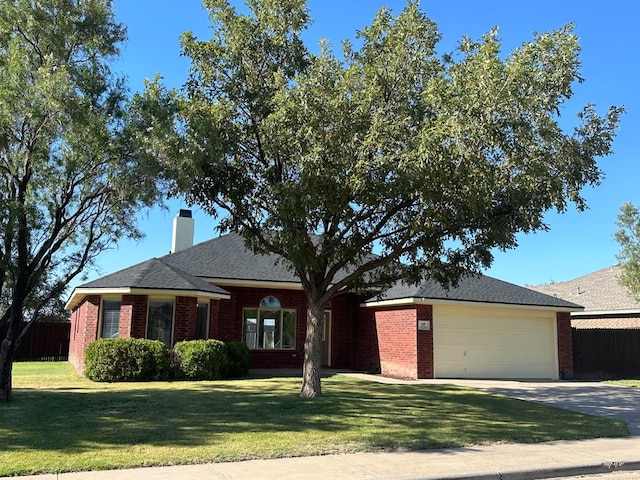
<point x="635" y="383"/>
<point x="59" y="422"/>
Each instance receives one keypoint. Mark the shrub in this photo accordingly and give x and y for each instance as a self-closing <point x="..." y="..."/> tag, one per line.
<point x="126" y="360"/>
<point x="201" y="359"/>
<point x="237" y="359"/>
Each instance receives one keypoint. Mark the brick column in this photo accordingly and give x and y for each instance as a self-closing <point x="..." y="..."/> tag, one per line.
<point x="185" y="319"/>
<point x="136" y="307"/>
<point x="425" y="342"/>
<point x="565" y="345"/>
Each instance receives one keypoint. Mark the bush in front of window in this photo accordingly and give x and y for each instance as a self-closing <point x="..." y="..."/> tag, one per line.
<point x="237" y="359"/>
<point x="126" y="360"/>
<point x="201" y="359"/>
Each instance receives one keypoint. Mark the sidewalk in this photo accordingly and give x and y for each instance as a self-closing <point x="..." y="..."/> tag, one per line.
<point x="499" y="462"/>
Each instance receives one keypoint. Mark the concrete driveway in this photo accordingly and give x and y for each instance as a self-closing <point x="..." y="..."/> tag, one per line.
<point x="594" y="398"/>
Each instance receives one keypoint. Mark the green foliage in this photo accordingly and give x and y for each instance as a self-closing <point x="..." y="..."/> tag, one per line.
<point x="69" y="182"/>
<point x="201" y="359"/>
<point x="126" y="360"/>
<point x="237" y="360"/>
<point x="429" y="161"/>
<point x="628" y="237"/>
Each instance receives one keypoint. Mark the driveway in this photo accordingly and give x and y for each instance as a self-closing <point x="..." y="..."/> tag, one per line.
<point x="594" y="398"/>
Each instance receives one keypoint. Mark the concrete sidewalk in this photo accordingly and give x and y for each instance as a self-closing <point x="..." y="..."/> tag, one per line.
<point x="499" y="462"/>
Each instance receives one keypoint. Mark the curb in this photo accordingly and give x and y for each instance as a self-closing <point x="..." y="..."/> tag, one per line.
<point x="548" y="473"/>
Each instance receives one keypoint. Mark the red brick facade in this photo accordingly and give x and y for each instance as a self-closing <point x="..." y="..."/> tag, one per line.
<point x="389" y="342"/>
<point x="84" y="330"/>
<point x="565" y="345"/>
<point x="396" y="342"/>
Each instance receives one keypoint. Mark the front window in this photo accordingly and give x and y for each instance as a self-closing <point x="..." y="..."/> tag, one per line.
<point x="110" y="319"/>
<point x="270" y="327"/>
<point x="160" y="321"/>
<point x="202" y="321"/>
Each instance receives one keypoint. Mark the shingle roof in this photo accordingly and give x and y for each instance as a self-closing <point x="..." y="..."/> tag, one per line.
<point x="154" y="274"/>
<point x="481" y="289"/>
<point x="598" y="291"/>
<point x="227" y="257"/>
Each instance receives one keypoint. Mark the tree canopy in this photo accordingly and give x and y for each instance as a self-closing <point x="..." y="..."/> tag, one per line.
<point x="387" y="161"/>
<point x="69" y="182"/>
<point x="628" y="237"/>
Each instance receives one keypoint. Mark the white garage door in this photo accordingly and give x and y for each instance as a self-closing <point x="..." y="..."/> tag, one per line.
<point x="486" y="342"/>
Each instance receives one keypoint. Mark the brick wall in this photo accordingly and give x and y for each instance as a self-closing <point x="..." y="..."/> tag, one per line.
<point x="186" y="312"/>
<point x="228" y="326"/>
<point x="397" y="342"/>
<point x="425" y="342"/>
<point x="366" y="353"/>
<point x="136" y="308"/>
<point x="84" y="330"/>
<point x="565" y="344"/>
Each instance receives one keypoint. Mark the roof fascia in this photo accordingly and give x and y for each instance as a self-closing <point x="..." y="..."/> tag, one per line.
<point x="468" y="303"/>
<point x="79" y="293"/>
<point x="632" y="311"/>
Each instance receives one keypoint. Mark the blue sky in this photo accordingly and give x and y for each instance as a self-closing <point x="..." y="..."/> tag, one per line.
<point x="577" y="243"/>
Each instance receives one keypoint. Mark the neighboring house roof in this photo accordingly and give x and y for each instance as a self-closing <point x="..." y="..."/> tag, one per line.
<point x="152" y="275"/>
<point x="598" y="291"/>
<point x="602" y="296"/>
<point x="476" y="289"/>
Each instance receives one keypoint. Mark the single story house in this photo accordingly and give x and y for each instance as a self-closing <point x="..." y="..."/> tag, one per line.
<point x="607" y="303"/>
<point x="484" y="328"/>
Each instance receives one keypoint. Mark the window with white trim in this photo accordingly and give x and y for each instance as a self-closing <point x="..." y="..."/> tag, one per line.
<point x="269" y="327"/>
<point x="160" y="321"/>
<point x="110" y="319"/>
<point x="202" y="321"/>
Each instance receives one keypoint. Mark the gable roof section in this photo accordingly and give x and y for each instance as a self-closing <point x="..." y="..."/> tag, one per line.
<point x="152" y="275"/>
<point x="473" y="289"/>
<point x="599" y="292"/>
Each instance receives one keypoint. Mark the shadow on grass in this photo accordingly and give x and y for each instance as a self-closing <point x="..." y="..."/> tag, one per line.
<point x="352" y="412"/>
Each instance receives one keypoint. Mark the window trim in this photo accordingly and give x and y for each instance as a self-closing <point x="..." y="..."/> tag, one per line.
<point x="208" y="319"/>
<point x="265" y="308"/>
<point x="101" y="315"/>
<point x="173" y="317"/>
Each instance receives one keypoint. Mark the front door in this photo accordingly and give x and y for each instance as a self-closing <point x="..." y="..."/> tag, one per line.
<point x="326" y="339"/>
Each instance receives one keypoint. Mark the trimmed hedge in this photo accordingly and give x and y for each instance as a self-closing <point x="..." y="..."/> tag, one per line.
<point x="126" y="360"/>
<point x="200" y="359"/>
<point x="135" y="359"/>
<point x="238" y="359"/>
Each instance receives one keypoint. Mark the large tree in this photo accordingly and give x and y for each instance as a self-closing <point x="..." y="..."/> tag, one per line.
<point x="387" y="161"/>
<point x="628" y="237"/>
<point x="69" y="185"/>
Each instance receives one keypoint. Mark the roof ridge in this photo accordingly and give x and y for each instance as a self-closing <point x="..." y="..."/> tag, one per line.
<point x="571" y="280"/>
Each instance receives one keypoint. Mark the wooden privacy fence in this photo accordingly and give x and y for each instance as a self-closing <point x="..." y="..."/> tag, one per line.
<point x="45" y="342"/>
<point x="606" y="353"/>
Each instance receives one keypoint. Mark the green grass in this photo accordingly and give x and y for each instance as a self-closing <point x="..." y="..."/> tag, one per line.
<point x="59" y="422"/>
<point x="635" y="383"/>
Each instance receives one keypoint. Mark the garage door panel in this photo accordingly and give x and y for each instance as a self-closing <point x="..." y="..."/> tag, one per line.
<point x="494" y="343"/>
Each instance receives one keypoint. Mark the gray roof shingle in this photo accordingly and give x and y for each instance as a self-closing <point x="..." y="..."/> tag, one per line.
<point x="481" y="289"/>
<point x="154" y="274"/>
<point x="597" y="291"/>
<point x="227" y="257"/>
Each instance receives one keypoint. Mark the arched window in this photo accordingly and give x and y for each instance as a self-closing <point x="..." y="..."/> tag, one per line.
<point x="270" y="327"/>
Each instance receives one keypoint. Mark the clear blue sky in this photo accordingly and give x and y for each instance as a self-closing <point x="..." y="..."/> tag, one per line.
<point x="577" y="243"/>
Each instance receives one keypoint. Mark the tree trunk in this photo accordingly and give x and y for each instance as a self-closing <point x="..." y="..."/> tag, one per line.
<point x="313" y="351"/>
<point x="6" y="367"/>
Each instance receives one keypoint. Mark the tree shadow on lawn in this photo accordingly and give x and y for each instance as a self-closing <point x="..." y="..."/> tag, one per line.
<point x="355" y="413"/>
